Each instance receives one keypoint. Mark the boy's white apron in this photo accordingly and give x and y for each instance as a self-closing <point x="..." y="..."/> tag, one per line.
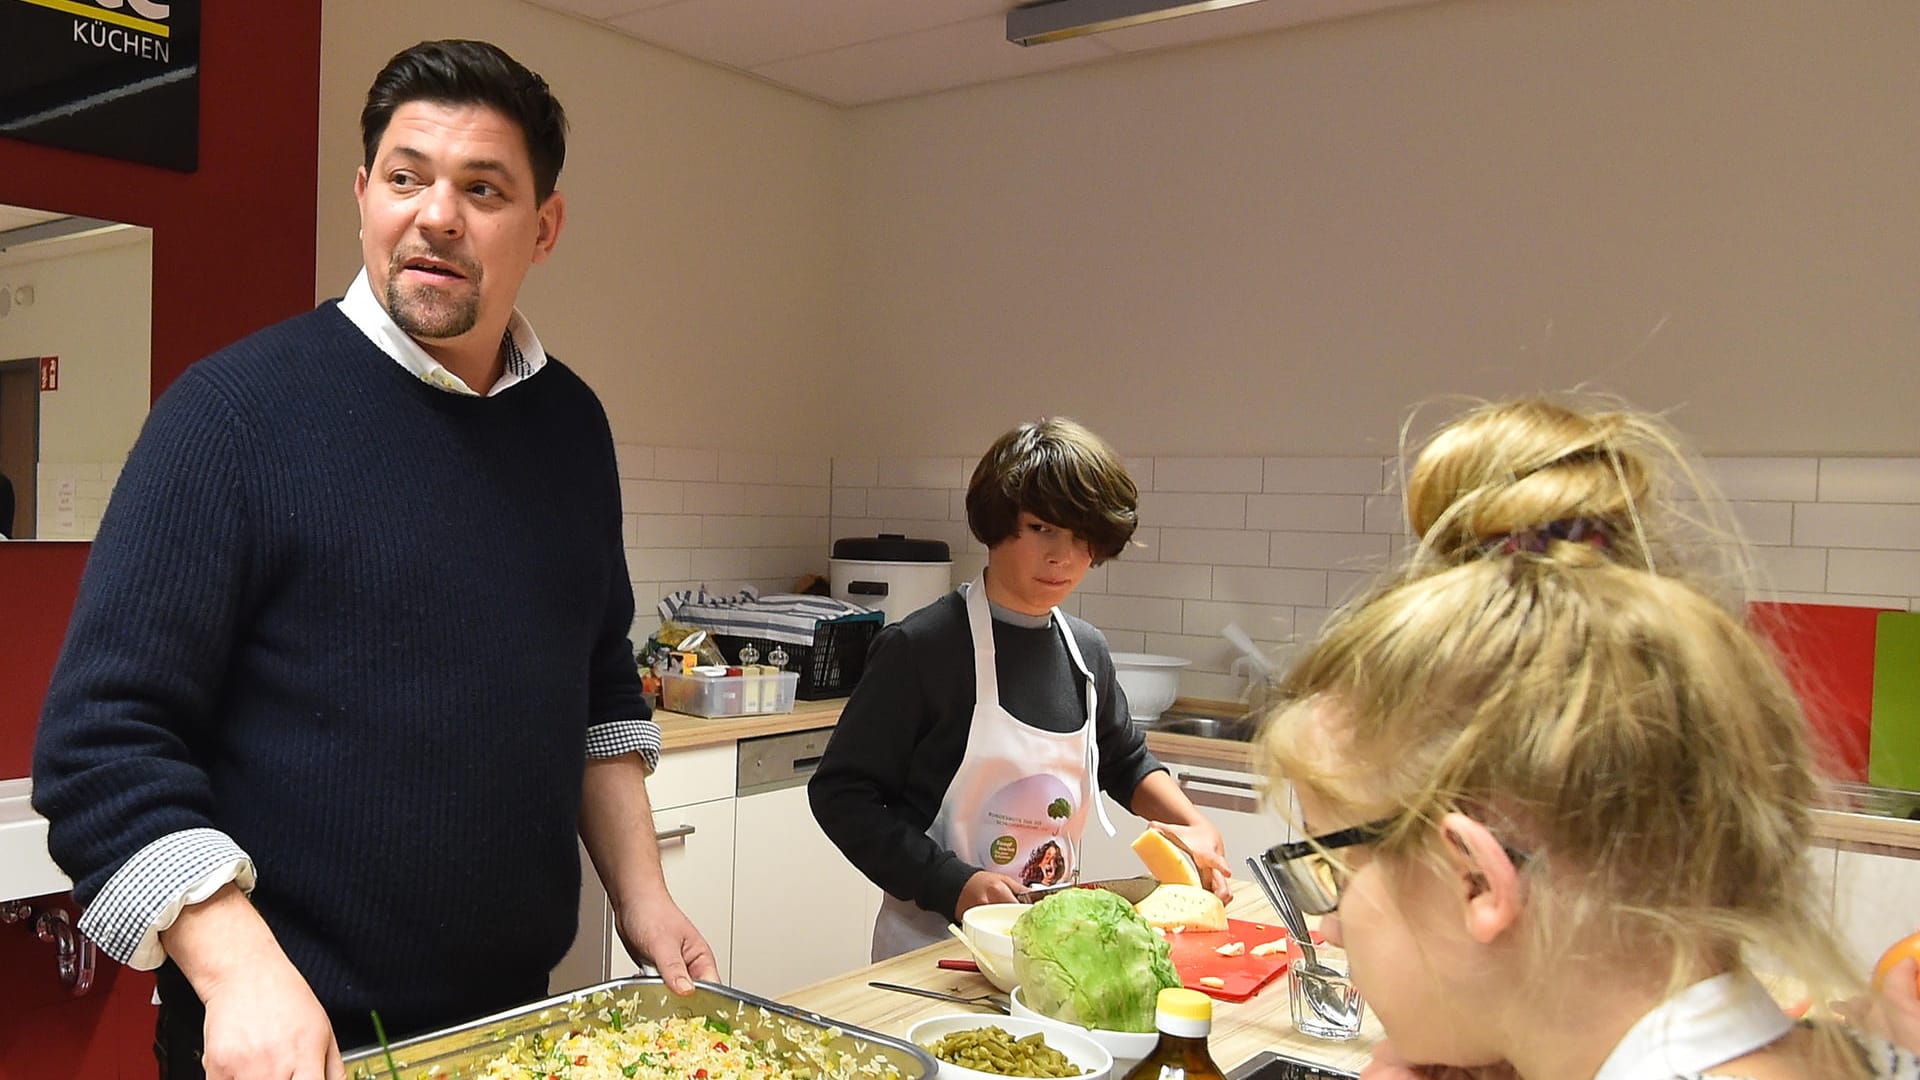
<point x="1005" y="801"/>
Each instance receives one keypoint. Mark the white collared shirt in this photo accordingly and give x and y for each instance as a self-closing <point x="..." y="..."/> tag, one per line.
<point x="519" y="346"/>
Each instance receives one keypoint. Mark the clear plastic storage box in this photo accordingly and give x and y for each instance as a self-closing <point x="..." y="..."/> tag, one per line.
<point x="728" y="695"/>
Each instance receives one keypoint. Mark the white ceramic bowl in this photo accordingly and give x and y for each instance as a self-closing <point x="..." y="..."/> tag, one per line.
<point x="1127" y="1048"/>
<point x="989" y="933"/>
<point x="1087" y="1053"/>
<point x="1151" y="682"/>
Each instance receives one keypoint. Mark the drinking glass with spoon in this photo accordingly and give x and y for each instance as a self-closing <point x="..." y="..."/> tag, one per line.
<point x="1323" y="1000"/>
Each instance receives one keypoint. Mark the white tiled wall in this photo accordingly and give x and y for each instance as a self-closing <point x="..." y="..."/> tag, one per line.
<point x="1268" y="542"/>
<point x="721" y="519"/>
<point x="1273" y="543"/>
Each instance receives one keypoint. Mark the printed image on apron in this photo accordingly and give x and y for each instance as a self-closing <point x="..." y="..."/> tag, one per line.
<point x="1024" y="833"/>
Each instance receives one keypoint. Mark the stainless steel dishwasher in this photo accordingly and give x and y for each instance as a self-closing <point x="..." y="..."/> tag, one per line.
<point x="801" y="912"/>
<point x="777" y="762"/>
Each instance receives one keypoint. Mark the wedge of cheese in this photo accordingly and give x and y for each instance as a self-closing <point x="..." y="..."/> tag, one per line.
<point x="1183" y="907"/>
<point x="1165" y="860"/>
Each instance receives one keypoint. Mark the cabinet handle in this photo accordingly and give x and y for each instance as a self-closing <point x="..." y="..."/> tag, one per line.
<point x="1206" y="791"/>
<point x="1215" y="781"/>
<point x="807" y="764"/>
<point x="1219" y="800"/>
<point x="680" y="833"/>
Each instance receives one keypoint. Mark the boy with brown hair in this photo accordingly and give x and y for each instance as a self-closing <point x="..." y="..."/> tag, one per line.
<point x="987" y="722"/>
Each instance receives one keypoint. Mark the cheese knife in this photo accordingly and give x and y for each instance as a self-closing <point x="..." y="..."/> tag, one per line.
<point x="1132" y="889"/>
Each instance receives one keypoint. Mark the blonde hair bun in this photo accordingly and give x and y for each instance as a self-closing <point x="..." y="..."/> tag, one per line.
<point x="1549" y="478"/>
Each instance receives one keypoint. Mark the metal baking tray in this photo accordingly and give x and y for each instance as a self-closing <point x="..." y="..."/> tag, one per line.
<point x="465" y="1049"/>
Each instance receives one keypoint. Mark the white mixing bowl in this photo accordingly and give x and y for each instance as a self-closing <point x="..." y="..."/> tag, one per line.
<point x="988" y="929"/>
<point x="1151" y="682"/>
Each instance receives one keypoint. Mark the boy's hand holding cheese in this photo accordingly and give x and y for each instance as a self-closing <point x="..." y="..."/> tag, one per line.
<point x="1192" y="854"/>
<point x="1179" y="903"/>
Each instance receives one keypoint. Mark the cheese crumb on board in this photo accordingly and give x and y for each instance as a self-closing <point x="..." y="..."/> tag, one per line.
<point x="1268" y="948"/>
<point x="1232" y="948"/>
<point x="1214" y="981"/>
<point x="1164" y="859"/>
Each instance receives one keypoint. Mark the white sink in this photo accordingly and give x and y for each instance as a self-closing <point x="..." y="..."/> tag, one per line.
<point x="25" y="867"/>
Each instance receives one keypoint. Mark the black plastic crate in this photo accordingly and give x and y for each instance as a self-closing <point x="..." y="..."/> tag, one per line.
<point x="831" y="666"/>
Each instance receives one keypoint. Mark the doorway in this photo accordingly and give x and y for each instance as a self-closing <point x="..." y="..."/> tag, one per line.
<point x="20" y="446"/>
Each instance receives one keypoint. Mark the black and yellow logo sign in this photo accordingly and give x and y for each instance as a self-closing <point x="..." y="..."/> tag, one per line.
<point x="112" y="77"/>
<point x="144" y="16"/>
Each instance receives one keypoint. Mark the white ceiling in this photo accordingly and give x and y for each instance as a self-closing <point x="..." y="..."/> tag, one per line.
<point x="14" y="217"/>
<point x="88" y="234"/>
<point x="857" y="52"/>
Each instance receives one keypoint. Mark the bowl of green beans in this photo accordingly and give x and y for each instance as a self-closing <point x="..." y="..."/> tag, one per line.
<point x="970" y="1046"/>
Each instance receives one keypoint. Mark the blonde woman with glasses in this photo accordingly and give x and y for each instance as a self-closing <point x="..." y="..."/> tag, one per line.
<point x="1560" y="792"/>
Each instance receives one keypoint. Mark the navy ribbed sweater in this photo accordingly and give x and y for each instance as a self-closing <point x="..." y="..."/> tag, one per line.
<point x="361" y="625"/>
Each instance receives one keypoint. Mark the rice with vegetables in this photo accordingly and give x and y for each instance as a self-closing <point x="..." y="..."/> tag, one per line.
<point x="625" y="1046"/>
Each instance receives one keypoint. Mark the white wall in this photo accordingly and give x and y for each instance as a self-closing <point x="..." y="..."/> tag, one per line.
<point x="1275" y="543"/>
<point x="93" y="308"/>
<point x="1277" y="245"/>
<point x="697" y="281"/>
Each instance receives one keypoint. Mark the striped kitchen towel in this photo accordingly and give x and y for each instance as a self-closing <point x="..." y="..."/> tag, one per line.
<point x="787" y="617"/>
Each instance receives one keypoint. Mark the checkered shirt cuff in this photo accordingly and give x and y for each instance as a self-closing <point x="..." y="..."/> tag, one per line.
<point x="146" y="894"/>
<point x="616" y="737"/>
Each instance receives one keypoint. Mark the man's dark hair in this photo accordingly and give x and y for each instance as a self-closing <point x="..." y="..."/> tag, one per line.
<point x="456" y="72"/>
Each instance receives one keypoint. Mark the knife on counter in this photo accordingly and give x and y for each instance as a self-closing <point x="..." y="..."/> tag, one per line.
<point x="996" y="1002"/>
<point x="1131" y="889"/>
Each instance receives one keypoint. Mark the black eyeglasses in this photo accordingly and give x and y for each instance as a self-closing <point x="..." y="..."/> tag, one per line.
<point x="1313" y="878"/>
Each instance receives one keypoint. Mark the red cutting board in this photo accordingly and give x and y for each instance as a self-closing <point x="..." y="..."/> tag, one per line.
<point x="1194" y="959"/>
<point x="1828" y="654"/>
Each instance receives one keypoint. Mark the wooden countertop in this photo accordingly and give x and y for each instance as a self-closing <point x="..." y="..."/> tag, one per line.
<point x="1239" y="1030"/>
<point x="1847" y="830"/>
<point x="678" y="731"/>
<point x="1200" y="750"/>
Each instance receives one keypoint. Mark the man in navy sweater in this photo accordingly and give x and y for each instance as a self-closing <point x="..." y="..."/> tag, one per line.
<point x="350" y="666"/>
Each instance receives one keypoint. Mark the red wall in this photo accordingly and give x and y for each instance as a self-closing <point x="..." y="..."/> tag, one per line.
<point x="46" y="1032"/>
<point x="233" y="250"/>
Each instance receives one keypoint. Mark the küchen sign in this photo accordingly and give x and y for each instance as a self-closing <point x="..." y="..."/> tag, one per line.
<point x="118" y="78"/>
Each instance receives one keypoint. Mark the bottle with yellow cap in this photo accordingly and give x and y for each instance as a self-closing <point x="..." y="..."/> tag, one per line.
<point x="1185" y="1019"/>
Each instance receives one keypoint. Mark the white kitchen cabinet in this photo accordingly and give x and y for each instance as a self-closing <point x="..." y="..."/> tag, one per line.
<point x="1873" y="899"/>
<point x="692" y="794"/>
<point x="801" y="912"/>
<point x="1232" y="800"/>
<point x="696" y="856"/>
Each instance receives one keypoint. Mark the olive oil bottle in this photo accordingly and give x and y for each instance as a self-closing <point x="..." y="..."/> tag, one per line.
<point x="1185" y="1019"/>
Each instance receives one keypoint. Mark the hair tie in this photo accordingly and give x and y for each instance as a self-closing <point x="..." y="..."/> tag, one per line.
<point x="1577" y="530"/>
